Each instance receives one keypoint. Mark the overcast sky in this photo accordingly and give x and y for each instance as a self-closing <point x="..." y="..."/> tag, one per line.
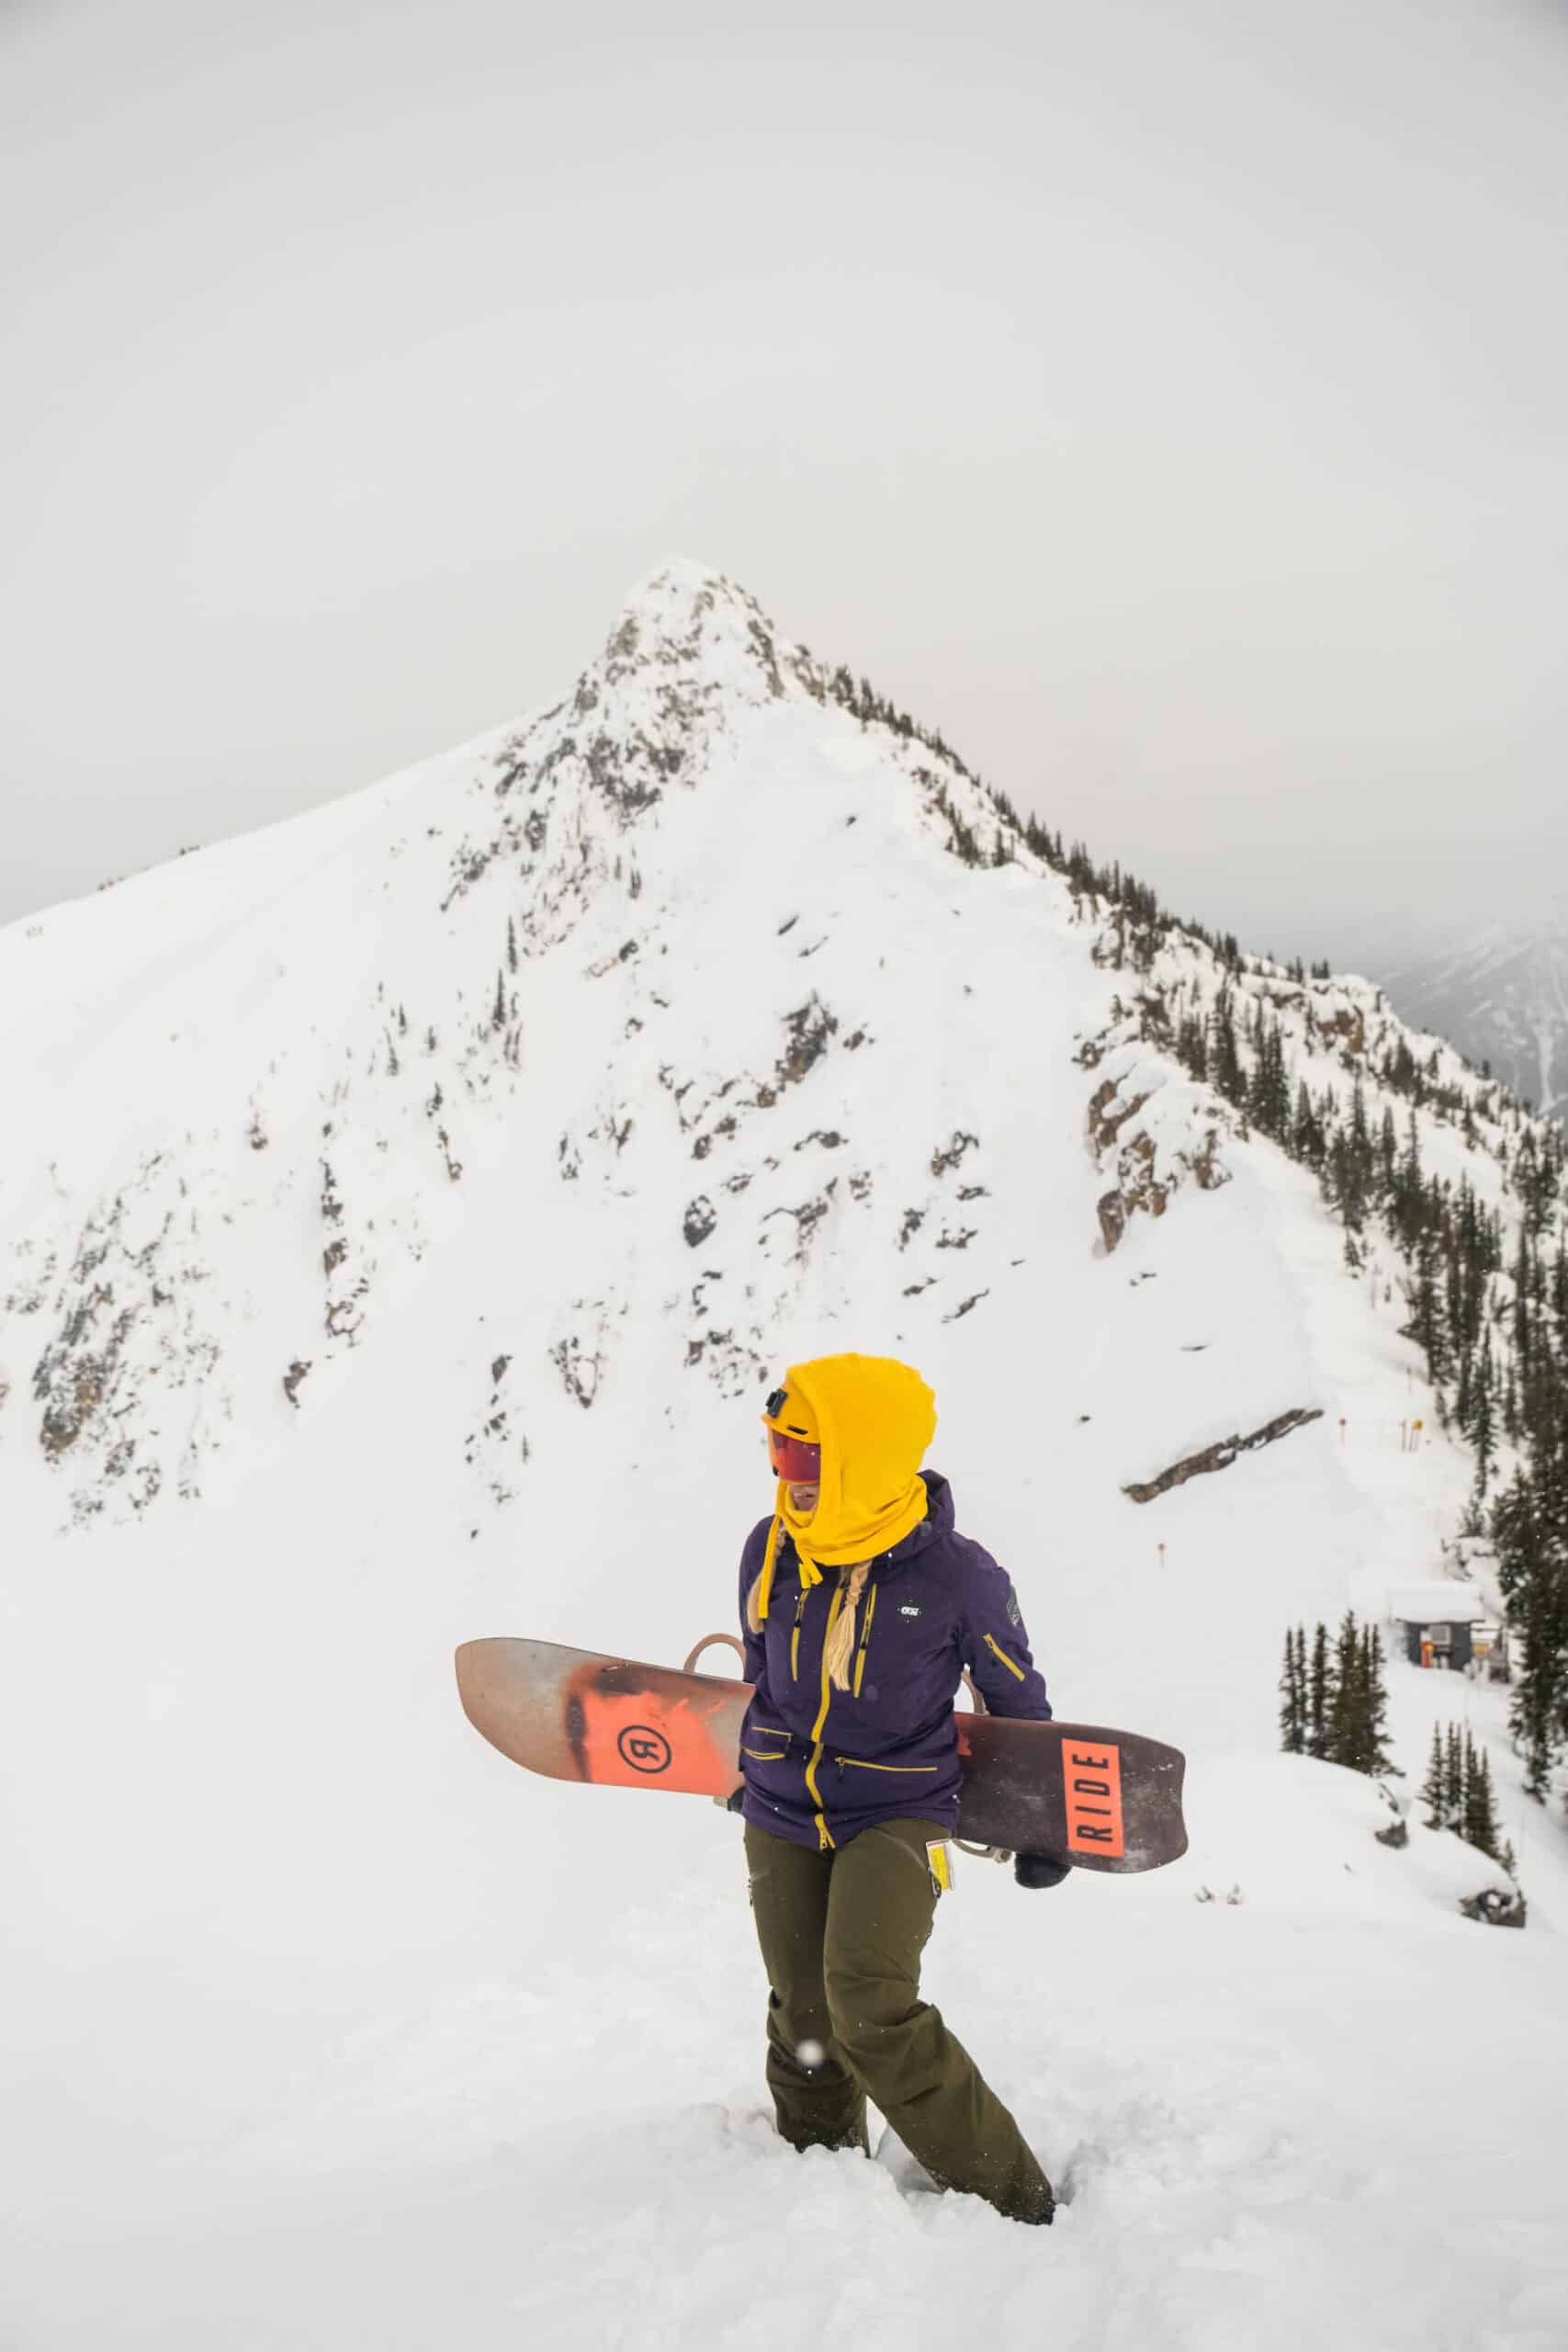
<point x="1170" y="402"/>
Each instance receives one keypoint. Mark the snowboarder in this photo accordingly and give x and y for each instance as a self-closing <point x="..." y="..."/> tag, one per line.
<point x="861" y="1607"/>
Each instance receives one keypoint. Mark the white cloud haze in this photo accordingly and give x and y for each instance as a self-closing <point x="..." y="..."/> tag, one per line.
<point x="1169" y="404"/>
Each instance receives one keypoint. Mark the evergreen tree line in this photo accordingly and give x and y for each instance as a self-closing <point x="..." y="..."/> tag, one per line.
<point x="1491" y="1325"/>
<point x="1495" y="1334"/>
<point x="1458" y="1795"/>
<point x="1333" y="1701"/>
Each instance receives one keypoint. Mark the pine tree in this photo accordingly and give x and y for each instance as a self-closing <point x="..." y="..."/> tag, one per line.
<point x="1529" y="1526"/>
<point x="1320" y="1694"/>
<point x="1482" y="1420"/>
<point x="1293" y="1694"/>
<point x="1375" y="1706"/>
<point x="1479" y="1825"/>
<point x="1453" y="1778"/>
<point x="1193" y="1045"/>
<point x="1536" y="1716"/>
<point x="1410" y="1189"/>
<point x="1224" y="1061"/>
<point x="1306" y="1133"/>
<point x="1427" y="1325"/>
<point x="1345" y="1711"/>
<point x="1434" y="1789"/>
<point x="1268" y="1089"/>
<point x="1388" y="1164"/>
<point x="1359" y="1705"/>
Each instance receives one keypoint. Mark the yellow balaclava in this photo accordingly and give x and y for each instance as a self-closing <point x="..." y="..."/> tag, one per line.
<point x="874" y="1418"/>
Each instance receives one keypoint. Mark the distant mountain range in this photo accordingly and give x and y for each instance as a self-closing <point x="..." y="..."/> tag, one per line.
<point x="1501" y="996"/>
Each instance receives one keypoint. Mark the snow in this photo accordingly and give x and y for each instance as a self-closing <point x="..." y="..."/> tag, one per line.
<point x="323" y="2022"/>
<point x="1435" y="1604"/>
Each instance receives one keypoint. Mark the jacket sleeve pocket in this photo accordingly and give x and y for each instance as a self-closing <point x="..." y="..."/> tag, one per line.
<point x="995" y="1647"/>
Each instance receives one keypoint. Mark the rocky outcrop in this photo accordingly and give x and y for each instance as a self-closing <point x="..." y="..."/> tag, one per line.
<point x="1221" y="1455"/>
<point x="1496" y="1906"/>
<point x="1142" y="1181"/>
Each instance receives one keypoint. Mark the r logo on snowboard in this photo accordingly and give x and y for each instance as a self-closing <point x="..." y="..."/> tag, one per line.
<point x="645" y="1749"/>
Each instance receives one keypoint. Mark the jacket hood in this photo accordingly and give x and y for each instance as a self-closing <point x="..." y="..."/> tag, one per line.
<point x="875" y="1418"/>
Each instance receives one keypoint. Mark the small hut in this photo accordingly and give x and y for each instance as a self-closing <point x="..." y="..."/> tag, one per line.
<point x="1439" y="1623"/>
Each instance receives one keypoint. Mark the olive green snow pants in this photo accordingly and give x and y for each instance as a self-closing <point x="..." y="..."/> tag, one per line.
<point x="841" y="1934"/>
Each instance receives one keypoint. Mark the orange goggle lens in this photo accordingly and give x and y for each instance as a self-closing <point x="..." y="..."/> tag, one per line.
<point x="796" y="1463"/>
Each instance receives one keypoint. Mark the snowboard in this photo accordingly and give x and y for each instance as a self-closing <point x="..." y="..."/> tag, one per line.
<point x="1103" y="1800"/>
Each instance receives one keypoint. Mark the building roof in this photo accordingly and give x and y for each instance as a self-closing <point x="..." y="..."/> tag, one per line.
<point x="1439" y="1603"/>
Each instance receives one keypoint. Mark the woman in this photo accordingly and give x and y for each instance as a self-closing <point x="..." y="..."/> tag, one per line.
<point x="862" y="1608"/>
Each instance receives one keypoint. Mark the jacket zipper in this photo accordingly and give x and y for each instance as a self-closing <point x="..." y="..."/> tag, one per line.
<point x="992" y="1644"/>
<point x="824" y="1839"/>
<point x="865" y="1638"/>
<point x="859" y="1764"/>
<point x="795" y="1638"/>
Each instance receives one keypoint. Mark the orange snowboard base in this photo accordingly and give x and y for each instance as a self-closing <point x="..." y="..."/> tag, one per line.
<point x="1103" y="1800"/>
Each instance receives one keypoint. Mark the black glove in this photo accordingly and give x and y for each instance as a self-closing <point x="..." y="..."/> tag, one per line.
<point x="1039" y="1870"/>
<point x="736" y="1799"/>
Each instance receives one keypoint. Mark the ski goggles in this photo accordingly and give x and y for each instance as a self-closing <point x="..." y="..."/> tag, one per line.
<point x="798" y="1463"/>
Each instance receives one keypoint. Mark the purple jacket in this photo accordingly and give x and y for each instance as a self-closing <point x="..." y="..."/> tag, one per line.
<point x="887" y="1748"/>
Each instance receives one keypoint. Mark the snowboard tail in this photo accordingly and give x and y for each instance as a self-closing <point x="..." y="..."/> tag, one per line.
<point x="1101" y="1798"/>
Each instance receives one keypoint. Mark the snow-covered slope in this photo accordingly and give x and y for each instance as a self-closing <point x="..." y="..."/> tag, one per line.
<point x="1502" y="997"/>
<point x="403" y="1212"/>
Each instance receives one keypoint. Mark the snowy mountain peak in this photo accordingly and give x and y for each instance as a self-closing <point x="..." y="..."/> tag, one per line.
<point x="686" y="616"/>
<point x="687" y="638"/>
<point x="691" y="658"/>
<point x="719" y="979"/>
<point x="546" y="953"/>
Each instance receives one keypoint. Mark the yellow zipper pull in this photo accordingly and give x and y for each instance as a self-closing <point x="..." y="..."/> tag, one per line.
<point x="1011" y="1663"/>
<point x="823" y="1835"/>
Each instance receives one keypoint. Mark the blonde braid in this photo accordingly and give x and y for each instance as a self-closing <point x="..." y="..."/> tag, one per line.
<point x="841" y="1648"/>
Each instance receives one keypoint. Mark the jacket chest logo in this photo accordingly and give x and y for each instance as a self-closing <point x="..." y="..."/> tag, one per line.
<point x="909" y="1609"/>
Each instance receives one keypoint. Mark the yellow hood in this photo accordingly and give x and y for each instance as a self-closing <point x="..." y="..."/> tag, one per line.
<point x="874" y="1419"/>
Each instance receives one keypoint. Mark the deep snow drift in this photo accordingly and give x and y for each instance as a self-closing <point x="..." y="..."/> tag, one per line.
<point x="405" y="1213"/>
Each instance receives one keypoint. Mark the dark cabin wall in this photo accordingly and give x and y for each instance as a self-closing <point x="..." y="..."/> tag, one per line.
<point x="1460" y="1647"/>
